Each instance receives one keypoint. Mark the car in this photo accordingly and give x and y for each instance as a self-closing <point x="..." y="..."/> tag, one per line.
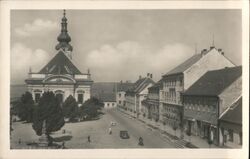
<point x="124" y="134"/>
<point x="112" y="123"/>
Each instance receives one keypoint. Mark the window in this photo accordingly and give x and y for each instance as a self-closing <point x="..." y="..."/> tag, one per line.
<point x="80" y="98"/>
<point x="120" y="95"/>
<point x="120" y="102"/>
<point x="113" y="104"/>
<point x="108" y="104"/>
<point x="37" y="97"/>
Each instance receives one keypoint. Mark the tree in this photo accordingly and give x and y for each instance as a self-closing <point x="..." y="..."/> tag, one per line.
<point x="70" y="108"/>
<point x="90" y="108"/>
<point x="48" y="110"/>
<point x="24" y="107"/>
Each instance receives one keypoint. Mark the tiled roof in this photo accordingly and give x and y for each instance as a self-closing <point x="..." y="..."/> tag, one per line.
<point x="60" y="64"/>
<point x="108" y="97"/>
<point x="140" y="84"/>
<point x="234" y="113"/>
<point x="124" y="86"/>
<point x="185" y="65"/>
<point x="214" y="82"/>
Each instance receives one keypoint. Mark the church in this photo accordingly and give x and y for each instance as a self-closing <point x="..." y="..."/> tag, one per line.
<point x="60" y="75"/>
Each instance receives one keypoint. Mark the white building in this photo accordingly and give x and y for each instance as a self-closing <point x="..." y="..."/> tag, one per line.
<point x="60" y="75"/>
<point x="137" y="94"/>
<point x="179" y="79"/>
<point x="121" y="89"/>
<point x="109" y="100"/>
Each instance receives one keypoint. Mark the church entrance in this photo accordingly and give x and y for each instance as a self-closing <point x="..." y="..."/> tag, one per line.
<point x="59" y="96"/>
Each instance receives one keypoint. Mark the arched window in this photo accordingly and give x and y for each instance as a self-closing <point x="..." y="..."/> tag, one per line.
<point x="59" y="95"/>
<point x="80" y="96"/>
<point x="37" y="94"/>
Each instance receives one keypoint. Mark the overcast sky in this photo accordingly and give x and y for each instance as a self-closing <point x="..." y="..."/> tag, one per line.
<point x="121" y="44"/>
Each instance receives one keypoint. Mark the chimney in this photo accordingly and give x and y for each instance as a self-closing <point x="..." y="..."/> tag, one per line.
<point x="148" y="74"/>
<point x="222" y="53"/>
<point x="219" y="50"/>
<point x="203" y="52"/>
<point x="211" y="47"/>
<point x="151" y="75"/>
<point x="140" y="77"/>
<point x="121" y="81"/>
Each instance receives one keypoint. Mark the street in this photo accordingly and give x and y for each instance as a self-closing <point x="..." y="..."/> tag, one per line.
<point x="98" y="132"/>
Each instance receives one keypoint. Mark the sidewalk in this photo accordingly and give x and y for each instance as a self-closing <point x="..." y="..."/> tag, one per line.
<point x="168" y="133"/>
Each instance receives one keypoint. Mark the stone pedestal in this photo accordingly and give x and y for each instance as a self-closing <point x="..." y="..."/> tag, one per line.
<point x="43" y="140"/>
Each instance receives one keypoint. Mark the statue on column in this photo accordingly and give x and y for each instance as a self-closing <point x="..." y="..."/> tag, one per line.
<point x="43" y="140"/>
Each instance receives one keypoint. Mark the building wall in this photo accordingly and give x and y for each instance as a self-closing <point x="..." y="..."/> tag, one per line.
<point x="120" y="98"/>
<point x="140" y="97"/>
<point x="170" y="108"/>
<point x="130" y="102"/>
<point x="66" y="90"/>
<point x="213" y="60"/>
<point x="109" y="105"/>
<point x="230" y="94"/>
<point x="201" y="108"/>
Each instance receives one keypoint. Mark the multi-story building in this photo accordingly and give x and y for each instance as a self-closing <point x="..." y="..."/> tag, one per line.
<point x="137" y="94"/>
<point x="151" y="104"/>
<point x="60" y="75"/>
<point x="121" y="89"/>
<point x="207" y="99"/>
<point x="230" y="124"/>
<point x="181" y="78"/>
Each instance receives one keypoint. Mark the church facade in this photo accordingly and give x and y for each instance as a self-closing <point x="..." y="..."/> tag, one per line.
<point x="60" y="75"/>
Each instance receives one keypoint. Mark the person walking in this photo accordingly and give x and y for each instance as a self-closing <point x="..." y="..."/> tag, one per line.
<point x="110" y="131"/>
<point x="140" y="141"/>
<point x="89" y="141"/>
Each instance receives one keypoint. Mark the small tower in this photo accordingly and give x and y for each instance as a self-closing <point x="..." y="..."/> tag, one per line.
<point x="64" y="38"/>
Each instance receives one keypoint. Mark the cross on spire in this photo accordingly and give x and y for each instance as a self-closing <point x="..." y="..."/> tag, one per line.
<point x="64" y="37"/>
<point x="64" y="13"/>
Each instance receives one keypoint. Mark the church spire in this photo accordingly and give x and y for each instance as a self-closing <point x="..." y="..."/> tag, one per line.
<point x="64" y="37"/>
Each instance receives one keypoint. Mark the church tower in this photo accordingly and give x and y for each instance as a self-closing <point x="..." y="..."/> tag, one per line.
<point x="64" y="38"/>
<point x="60" y="75"/>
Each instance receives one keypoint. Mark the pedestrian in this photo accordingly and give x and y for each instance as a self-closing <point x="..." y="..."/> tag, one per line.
<point x="89" y="139"/>
<point x="140" y="141"/>
<point x="63" y="145"/>
<point x="19" y="141"/>
<point x="110" y="131"/>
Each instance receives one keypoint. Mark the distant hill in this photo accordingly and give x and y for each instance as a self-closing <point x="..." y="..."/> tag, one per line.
<point x="102" y="88"/>
<point x="97" y="89"/>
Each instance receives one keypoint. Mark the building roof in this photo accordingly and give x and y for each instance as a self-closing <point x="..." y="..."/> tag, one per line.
<point x="124" y="86"/>
<point x="214" y="82"/>
<point x="60" y="64"/>
<point x="108" y="97"/>
<point x="234" y="113"/>
<point x="157" y="85"/>
<point x="140" y="84"/>
<point x="185" y="65"/>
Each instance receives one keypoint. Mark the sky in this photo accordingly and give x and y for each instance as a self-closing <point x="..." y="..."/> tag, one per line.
<point x="122" y="44"/>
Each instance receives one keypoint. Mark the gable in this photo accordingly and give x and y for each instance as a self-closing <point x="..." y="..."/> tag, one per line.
<point x="58" y="79"/>
<point x="60" y="64"/>
<point x="213" y="60"/>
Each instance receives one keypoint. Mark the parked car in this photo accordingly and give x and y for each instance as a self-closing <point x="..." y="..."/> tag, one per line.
<point x="112" y="123"/>
<point x="124" y="134"/>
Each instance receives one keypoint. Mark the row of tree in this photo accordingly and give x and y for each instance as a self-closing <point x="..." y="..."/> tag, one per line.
<point x="50" y="110"/>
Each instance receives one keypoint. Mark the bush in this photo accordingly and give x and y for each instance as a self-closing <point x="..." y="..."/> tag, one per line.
<point x="70" y="108"/>
<point x="48" y="110"/>
<point x="24" y="108"/>
<point x="89" y="109"/>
